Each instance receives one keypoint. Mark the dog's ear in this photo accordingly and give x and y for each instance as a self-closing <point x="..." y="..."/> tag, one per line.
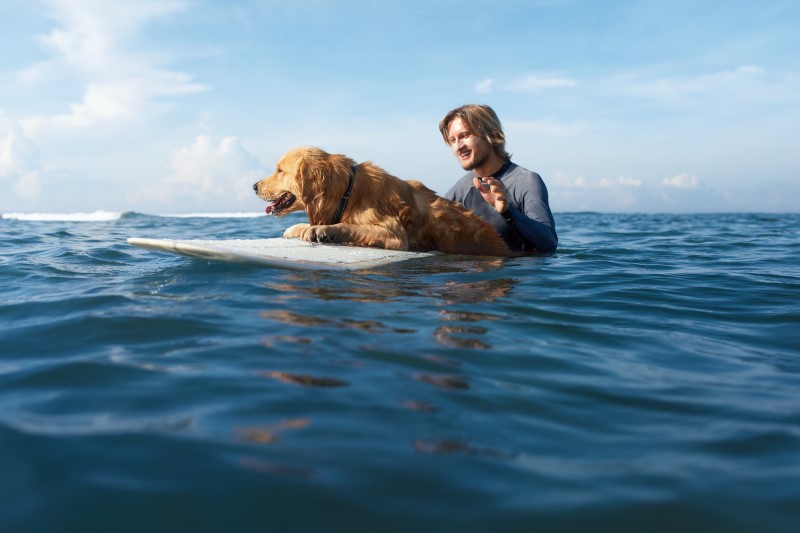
<point x="322" y="178"/>
<point x="311" y="177"/>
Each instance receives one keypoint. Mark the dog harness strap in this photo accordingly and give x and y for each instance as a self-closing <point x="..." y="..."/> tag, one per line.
<point x="337" y="217"/>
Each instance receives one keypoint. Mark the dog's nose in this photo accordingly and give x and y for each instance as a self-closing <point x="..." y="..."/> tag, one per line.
<point x="255" y="187"/>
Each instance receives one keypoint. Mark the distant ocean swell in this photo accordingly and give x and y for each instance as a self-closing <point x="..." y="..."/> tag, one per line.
<point x="107" y="216"/>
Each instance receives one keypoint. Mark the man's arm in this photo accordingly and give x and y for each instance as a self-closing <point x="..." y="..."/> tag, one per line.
<point x="536" y="226"/>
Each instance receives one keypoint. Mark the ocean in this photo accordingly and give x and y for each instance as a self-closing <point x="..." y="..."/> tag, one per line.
<point x="646" y="377"/>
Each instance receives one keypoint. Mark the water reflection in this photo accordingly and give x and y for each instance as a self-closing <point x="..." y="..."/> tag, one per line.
<point x="304" y="379"/>
<point x="445" y="446"/>
<point x="279" y="340"/>
<point x="267" y="467"/>
<point x="297" y="319"/>
<point x="449" y="336"/>
<point x="268" y="434"/>
<point x="466" y="316"/>
<point x="385" y="320"/>
<point x="401" y="290"/>
<point x="441" y="360"/>
<point x="414" y="405"/>
<point x="483" y="291"/>
<point x="444" y="381"/>
<point x="462" y="329"/>
<point x="452" y="446"/>
<point x="398" y="285"/>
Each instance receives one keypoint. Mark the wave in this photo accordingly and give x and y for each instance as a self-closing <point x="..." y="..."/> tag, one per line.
<point x="107" y="216"/>
<point x="96" y="216"/>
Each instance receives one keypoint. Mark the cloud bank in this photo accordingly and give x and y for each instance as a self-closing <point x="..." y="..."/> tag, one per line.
<point x="96" y="41"/>
<point x="207" y="175"/>
<point x="19" y="162"/>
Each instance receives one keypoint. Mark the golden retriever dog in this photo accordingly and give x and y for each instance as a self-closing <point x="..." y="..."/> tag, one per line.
<point x="363" y="205"/>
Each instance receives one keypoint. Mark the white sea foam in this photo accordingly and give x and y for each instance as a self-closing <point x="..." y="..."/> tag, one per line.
<point x="103" y="216"/>
<point x="96" y="216"/>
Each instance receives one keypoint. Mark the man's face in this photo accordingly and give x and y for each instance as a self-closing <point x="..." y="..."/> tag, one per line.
<point x="472" y="150"/>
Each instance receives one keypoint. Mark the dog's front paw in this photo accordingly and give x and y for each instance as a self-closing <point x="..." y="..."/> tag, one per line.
<point x="295" y="231"/>
<point x="320" y="234"/>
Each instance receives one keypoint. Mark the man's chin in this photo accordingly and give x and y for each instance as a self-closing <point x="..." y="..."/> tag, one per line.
<point x="471" y="164"/>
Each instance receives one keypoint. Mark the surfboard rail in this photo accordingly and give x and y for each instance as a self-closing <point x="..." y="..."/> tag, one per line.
<point x="292" y="254"/>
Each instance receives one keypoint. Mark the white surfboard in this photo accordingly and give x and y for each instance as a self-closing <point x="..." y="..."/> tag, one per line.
<point x="291" y="254"/>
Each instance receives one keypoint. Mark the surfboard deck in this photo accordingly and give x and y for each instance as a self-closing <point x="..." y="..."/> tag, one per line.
<point x="292" y="254"/>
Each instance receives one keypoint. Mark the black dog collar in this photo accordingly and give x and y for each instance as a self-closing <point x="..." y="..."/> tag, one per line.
<point x="337" y="217"/>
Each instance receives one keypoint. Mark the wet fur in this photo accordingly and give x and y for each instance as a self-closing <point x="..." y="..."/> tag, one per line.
<point x="383" y="211"/>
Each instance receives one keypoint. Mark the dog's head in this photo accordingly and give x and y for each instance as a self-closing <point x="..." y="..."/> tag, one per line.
<point x="306" y="179"/>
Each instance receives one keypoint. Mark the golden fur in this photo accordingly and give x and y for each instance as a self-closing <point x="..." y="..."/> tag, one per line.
<point x="383" y="211"/>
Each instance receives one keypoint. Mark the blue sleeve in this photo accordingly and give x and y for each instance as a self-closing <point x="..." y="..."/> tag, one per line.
<point x="541" y="235"/>
<point x="529" y="214"/>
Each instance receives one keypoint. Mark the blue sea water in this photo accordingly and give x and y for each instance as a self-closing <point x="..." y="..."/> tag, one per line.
<point x="644" y="378"/>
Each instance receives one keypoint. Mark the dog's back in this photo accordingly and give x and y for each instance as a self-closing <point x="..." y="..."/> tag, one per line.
<point x="451" y="228"/>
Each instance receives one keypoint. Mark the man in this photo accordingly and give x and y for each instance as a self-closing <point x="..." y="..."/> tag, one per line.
<point x="506" y="195"/>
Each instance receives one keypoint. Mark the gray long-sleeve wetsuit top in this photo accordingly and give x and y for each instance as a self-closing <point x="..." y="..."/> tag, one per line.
<point x="527" y="225"/>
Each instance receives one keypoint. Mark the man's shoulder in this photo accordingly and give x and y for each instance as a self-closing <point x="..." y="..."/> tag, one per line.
<point x="516" y="170"/>
<point x="517" y="175"/>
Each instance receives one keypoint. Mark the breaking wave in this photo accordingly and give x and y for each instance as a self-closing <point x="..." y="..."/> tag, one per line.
<point x="109" y="216"/>
<point x="95" y="216"/>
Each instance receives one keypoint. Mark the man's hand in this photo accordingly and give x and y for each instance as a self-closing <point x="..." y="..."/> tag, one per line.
<point x="493" y="192"/>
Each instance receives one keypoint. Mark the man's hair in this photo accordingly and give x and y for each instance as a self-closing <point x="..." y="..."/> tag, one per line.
<point x="480" y="120"/>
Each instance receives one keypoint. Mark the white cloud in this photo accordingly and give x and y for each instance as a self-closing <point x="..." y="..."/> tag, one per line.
<point x="93" y="33"/>
<point x="681" y="181"/>
<point x="630" y="182"/>
<point x="621" y="181"/>
<point x="540" y="81"/>
<point x="28" y="186"/>
<point x="683" y="193"/>
<point x="208" y="174"/>
<point x="95" y="40"/>
<point x="623" y="194"/>
<point x="119" y="102"/>
<point x="562" y="180"/>
<point x="19" y="162"/>
<point x="484" y="86"/>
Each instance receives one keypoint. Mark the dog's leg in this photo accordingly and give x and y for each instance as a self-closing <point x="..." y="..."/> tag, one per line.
<point x="295" y="231"/>
<point x="374" y="236"/>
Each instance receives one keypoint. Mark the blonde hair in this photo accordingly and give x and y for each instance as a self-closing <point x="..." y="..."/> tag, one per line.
<point x="480" y="120"/>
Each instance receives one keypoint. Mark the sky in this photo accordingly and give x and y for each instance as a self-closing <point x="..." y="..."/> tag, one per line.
<point x="179" y="106"/>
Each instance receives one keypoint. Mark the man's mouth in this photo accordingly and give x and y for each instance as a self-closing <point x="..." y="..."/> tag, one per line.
<point x="283" y="202"/>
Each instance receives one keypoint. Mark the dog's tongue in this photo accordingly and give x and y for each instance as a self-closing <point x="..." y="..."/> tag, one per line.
<point x="268" y="210"/>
